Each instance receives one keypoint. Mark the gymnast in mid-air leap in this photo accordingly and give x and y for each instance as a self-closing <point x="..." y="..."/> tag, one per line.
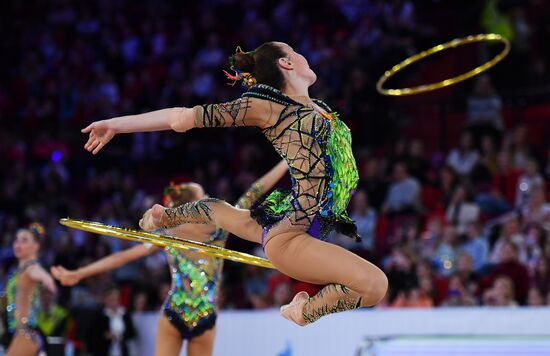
<point x="291" y="227"/>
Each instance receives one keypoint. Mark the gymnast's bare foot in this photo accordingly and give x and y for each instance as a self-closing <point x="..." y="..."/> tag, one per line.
<point x="152" y="218"/>
<point x="293" y="310"/>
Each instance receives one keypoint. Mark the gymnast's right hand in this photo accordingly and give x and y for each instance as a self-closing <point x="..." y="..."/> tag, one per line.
<point x="64" y="276"/>
<point x="101" y="132"/>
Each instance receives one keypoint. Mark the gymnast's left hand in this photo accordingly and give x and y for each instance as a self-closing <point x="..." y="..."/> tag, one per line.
<point x="152" y="219"/>
<point x="65" y="276"/>
<point x="101" y="132"/>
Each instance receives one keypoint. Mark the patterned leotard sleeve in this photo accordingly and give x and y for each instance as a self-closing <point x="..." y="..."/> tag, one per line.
<point x="243" y="111"/>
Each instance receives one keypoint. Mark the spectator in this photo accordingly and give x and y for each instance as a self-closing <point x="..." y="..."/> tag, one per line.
<point x="484" y="109"/>
<point x="410" y="238"/>
<point x="476" y="246"/>
<point x="404" y="193"/>
<point x="398" y="155"/>
<point x="501" y="294"/>
<point x="446" y="252"/>
<point x="430" y="238"/>
<point x="509" y="266"/>
<point x="400" y="300"/>
<point x="448" y="181"/>
<point x="457" y="294"/>
<point x="465" y="269"/>
<point x="279" y="288"/>
<point x="461" y="211"/>
<point x="492" y="203"/>
<point x="537" y="211"/>
<point x="400" y="271"/>
<point x="520" y="149"/>
<point x="416" y="297"/>
<point x="528" y="182"/>
<point x="419" y="297"/>
<point x="489" y="154"/>
<point x="510" y="233"/>
<point x="113" y="328"/>
<point x="464" y="158"/>
<point x="416" y="161"/>
<point x="255" y="283"/>
<point x="259" y="301"/>
<point x="505" y="181"/>
<point x="282" y="294"/>
<point x="365" y="219"/>
<point x="424" y="270"/>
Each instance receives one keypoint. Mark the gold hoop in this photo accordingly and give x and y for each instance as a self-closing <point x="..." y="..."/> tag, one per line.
<point x="447" y="82"/>
<point x="166" y="240"/>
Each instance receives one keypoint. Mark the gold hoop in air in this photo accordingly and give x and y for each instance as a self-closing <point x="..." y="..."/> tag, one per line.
<point x="491" y="37"/>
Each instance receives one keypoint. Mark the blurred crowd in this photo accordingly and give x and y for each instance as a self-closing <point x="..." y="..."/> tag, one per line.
<point x="451" y="226"/>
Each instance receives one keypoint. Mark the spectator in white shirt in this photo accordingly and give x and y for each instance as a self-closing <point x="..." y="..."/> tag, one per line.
<point x="463" y="158"/>
<point x="404" y="193"/>
<point x="461" y="211"/>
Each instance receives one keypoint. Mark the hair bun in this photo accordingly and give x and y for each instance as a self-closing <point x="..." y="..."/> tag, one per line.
<point x="37" y="229"/>
<point x="243" y="61"/>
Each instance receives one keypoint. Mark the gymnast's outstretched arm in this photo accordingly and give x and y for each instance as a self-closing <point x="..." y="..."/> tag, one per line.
<point x="116" y="260"/>
<point x="244" y="111"/>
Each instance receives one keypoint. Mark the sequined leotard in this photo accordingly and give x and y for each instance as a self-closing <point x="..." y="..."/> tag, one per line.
<point x="23" y="307"/>
<point x="317" y="148"/>
<point x="191" y="302"/>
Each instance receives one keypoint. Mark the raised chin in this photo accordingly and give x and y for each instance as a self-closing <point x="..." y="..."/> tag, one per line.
<point x="313" y="78"/>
